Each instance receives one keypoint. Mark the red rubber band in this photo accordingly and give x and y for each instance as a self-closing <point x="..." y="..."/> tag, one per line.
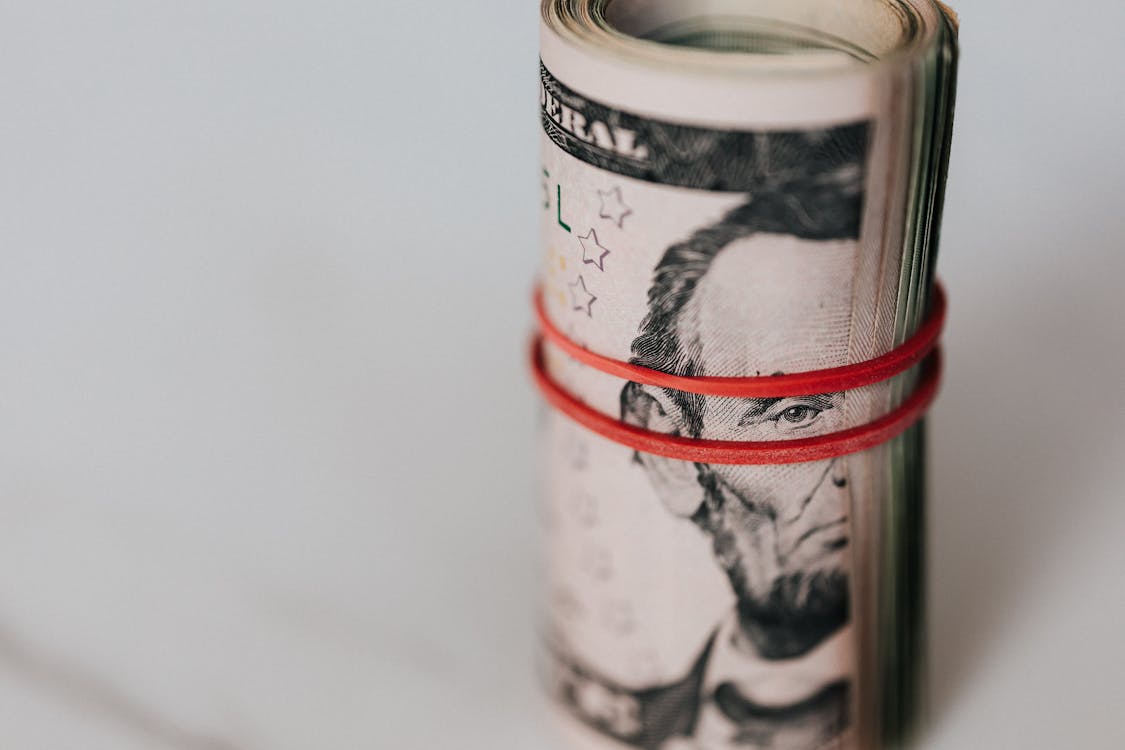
<point x="831" y="380"/>
<point x="796" y="451"/>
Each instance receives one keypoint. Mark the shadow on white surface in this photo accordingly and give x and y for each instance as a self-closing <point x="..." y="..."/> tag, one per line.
<point x="1027" y="438"/>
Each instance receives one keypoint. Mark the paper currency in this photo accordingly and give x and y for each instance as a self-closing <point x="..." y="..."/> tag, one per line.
<point x="737" y="188"/>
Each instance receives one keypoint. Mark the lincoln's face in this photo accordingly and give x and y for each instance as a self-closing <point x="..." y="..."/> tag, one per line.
<point x="767" y="304"/>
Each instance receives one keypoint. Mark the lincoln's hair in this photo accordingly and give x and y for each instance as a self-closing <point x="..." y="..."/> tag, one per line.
<point x="828" y="207"/>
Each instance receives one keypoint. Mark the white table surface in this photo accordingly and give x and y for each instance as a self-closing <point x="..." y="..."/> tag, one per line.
<point x="265" y="434"/>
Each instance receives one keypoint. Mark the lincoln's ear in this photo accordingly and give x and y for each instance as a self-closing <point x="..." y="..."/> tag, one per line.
<point x="676" y="482"/>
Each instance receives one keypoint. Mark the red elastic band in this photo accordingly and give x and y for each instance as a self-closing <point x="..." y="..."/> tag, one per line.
<point x="796" y="451"/>
<point x="831" y="380"/>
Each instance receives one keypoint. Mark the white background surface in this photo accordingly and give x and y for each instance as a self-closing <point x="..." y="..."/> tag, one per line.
<point x="265" y="435"/>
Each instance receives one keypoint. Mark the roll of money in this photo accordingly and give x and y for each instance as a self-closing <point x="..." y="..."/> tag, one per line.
<point x="737" y="189"/>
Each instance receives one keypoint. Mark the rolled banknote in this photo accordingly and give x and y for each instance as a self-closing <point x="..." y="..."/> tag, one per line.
<point x="736" y="189"/>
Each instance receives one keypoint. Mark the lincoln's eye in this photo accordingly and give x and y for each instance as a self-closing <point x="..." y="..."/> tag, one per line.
<point x="787" y="415"/>
<point x="799" y="414"/>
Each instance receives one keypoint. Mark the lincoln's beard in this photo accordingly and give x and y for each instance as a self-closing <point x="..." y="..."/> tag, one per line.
<point x="783" y="626"/>
<point x="796" y="610"/>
